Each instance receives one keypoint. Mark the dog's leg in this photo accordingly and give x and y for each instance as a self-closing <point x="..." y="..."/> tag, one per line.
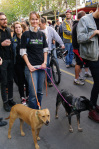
<point x="21" y="128"/>
<point x="70" y="126"/>
<point x="66" y="113"/>
<point x="78" y="121"/>
<point x="10" y="126"/>
<point x="57" y="107"/>
<point x="35" y="138"/>
<point x="38" y="130"/>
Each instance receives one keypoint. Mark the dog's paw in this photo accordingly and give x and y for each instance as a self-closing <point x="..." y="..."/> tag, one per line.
<point x="71" y="130"/>
<point x="56" y="116"/>
<point x="38" y="138"/>
<point x="9" y="136"/>
<point x="22" y="134"/>
<point x="37" y="146"/>
<point x="80" y="129"/>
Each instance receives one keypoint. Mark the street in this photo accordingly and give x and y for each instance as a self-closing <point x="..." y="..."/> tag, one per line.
<point x="56" y="135"/>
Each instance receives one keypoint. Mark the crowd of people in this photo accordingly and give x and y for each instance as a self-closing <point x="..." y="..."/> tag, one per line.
<point x="25" y="51"/>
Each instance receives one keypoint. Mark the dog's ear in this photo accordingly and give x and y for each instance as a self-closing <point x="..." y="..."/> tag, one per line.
<point x="84" y="98"/>
<point x="37" y="112"/>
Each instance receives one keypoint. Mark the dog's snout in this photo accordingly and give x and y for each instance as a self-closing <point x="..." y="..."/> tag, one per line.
<point x="47" y="122"/>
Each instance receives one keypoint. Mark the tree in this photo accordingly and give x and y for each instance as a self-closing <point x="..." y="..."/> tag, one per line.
<point x="15" y="9"/>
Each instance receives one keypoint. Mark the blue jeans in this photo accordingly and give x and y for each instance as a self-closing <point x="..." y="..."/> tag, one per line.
<point x="70" y="55"/>
<point x="38" y="78"/>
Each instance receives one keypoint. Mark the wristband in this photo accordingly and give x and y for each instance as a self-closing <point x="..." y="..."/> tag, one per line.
<point x="45" y="63"/>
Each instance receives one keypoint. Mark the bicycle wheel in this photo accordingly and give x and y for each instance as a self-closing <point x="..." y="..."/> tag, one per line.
<point x="55" y="72"/>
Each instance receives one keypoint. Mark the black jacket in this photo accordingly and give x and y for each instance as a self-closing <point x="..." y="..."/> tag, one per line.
<point x="74" y="35"/>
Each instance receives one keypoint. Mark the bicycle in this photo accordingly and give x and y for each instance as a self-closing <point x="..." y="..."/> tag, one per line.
<point x="61" y="54"/>
<point x="55" y="66"/>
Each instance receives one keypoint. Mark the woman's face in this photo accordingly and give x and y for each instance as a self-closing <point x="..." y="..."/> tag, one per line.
<point x="18" y="29"/>
<point x="34" y="21"/>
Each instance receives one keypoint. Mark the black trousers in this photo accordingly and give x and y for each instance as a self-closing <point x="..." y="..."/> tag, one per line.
<point x="7" y="80"/>
<point x="94" y="68"/>
<point x="20" y="77"/>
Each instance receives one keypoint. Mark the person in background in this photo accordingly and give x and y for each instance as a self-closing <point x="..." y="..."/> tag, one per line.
<point x="67" y="38"/>
<point x="19" y="64"/>
<point x="79" y="60"/>
<point x="26" y="23"/>
<point x="51" y="36"/>
<point x="24" y="28"/>
<point x="57" y="30"/>
<point x="34" y="52"/>
<point x="88" y="39"/>
<point x="61" y="30"/>
<point x="2" y="123"/>
<point x="12" y="31"/>
<point x="7" y="65"/>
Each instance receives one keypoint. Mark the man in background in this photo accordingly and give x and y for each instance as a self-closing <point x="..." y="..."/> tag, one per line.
<point x="7" y="65"/>
<point x="67" y="38"/>
<point x="88" y="39"/>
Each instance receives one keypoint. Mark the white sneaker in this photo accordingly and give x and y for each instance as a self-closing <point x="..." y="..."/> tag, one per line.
<point x="67" y="66"/>
<point x="88" y="74"/>
<point x="23" y="101"/>
<point x="78" y="82"/>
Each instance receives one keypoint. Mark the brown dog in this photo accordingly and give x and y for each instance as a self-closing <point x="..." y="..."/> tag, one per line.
<point x="35" y="118"/>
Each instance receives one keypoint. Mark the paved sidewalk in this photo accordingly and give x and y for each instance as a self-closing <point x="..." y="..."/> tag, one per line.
<point x="54" y="136"/>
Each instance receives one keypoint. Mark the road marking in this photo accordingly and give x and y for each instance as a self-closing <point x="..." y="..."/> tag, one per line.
<point x="91" y="82"/>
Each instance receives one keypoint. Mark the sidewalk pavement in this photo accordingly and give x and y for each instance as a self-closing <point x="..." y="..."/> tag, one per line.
<point x="54" y="136"/>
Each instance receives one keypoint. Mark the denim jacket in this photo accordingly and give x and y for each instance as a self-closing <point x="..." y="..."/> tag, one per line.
<point x="89" y="48"/>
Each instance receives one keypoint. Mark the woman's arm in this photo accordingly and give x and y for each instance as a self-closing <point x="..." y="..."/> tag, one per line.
<point x="45" y="60"/>
<point x="31" y="68"/>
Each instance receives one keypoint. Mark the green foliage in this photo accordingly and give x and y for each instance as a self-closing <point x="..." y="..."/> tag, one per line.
<point x="15" y="9"/>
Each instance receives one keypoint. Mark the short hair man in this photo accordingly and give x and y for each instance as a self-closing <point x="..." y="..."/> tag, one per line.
<point x="88" y="39"/>
<point x="7" y="65"/>
<point x="67" y="38"/>
<point x="50" y="35"/>
<point x="79" y="61"/>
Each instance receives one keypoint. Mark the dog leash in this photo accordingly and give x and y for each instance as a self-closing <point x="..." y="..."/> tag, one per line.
<point x="35" y="91"/>
<point x="54" y="84"/>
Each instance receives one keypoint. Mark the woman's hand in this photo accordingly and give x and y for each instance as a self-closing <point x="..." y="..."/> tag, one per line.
<point x="43" y="66"/>
<point x="31" y="68"/>
<point x="0" y="61"/>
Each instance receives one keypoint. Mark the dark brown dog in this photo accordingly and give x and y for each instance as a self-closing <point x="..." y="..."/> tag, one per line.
<point x="35" y="118"/>
<point x="76" y="106"/>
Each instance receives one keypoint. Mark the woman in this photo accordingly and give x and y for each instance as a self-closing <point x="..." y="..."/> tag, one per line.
<point x="34" y="52"/>
<point x="19" y="63"/>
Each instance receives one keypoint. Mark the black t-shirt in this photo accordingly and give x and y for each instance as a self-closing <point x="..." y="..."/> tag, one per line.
<point x="34" y="42"/>
<point x="97" y="24"/>
<point x="5" y="52"/>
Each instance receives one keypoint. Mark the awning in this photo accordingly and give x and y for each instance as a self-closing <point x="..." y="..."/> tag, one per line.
<point x="86" y="9"/>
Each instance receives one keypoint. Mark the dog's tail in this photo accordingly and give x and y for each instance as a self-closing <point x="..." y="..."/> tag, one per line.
<point x="7" y="118"/>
